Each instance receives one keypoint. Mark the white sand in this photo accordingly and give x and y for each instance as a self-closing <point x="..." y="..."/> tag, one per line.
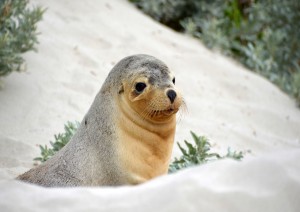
<point x="79" y="44"/>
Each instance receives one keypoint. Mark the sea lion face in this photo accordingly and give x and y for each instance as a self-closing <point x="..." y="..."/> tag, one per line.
<point x="151" y="93"/>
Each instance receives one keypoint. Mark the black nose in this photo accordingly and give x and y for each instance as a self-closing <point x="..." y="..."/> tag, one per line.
<point x="172" y="95"/>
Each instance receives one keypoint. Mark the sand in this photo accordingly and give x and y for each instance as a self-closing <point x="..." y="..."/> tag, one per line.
<point x="80" y="42"/>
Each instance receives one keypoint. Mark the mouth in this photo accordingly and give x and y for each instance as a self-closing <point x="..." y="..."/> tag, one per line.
<point x="166" y="112"/>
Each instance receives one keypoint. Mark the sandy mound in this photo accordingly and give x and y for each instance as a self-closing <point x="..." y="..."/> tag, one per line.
<point x="79" y="44"/>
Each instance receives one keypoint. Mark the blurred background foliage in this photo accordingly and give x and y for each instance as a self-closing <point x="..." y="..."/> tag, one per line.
<point x="262" y="35"/>
<point x="17" y="33"/>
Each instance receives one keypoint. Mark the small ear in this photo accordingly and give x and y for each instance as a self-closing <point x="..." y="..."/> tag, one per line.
<point x="121" y="89"/>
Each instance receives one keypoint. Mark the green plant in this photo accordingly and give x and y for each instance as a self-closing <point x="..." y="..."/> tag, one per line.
<point x="168" y="12"/>
<point x="262" y="35"/>
<point x="199" y="154"/>
<point x="17" y="33"/>
<point x="60" y="141"/>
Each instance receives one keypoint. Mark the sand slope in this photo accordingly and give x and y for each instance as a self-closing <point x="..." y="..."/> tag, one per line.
<point x="80" y="42"/>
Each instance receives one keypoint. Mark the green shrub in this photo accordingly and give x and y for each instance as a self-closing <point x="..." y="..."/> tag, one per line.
<point x="60" y="141"/>
<point x="17" y="33"/>
<point x="199" y="154"/>
<point x="168" y="12"/>
<point x="262" y="35"/>
<point x="194" y="155"/>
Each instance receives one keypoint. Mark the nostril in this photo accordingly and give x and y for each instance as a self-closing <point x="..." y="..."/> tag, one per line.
<point x="172" y="95"/>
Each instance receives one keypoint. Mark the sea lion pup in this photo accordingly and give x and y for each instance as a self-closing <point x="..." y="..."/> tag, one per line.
<point x="127" y="135"/>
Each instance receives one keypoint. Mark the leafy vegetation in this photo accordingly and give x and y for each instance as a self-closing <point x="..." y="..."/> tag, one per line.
<point x="199" y="154"/>
<point x="262" y="35"/>
<point x="17" y="33"/>
<point x="60" y="141"/>
<point x="194" y="154"/>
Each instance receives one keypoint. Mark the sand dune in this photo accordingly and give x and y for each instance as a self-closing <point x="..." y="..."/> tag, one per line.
<point x="80" y="42"/>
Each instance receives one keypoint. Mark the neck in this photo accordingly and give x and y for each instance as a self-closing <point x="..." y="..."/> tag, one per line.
<point x="145" y="146"/>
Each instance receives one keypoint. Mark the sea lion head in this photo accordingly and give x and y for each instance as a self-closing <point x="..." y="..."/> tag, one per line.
<point x="148" y="87"/>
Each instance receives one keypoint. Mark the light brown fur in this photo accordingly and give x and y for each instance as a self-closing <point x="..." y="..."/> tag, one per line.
<point x="125" y="138"/>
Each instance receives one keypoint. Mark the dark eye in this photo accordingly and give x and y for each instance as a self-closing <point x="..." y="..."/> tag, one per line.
<point x="173" y="80"/>
<point x="140" y="86"/>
